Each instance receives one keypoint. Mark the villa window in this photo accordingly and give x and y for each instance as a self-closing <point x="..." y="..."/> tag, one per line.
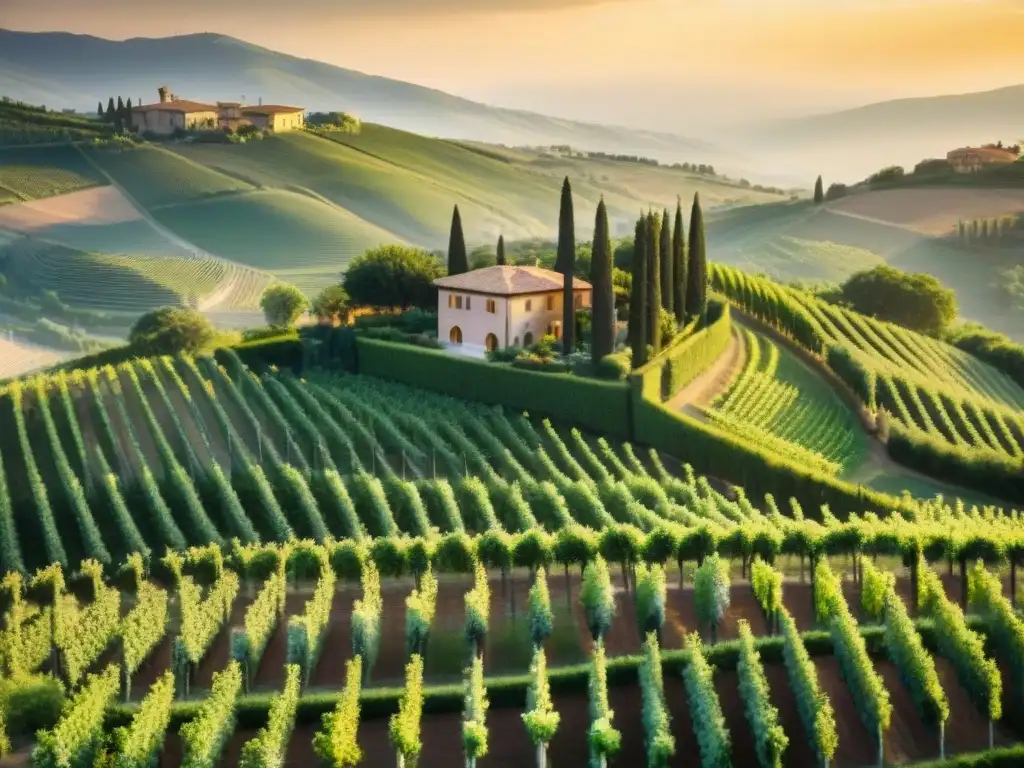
<point x="458" y="302"/>
<point x="577" y="301"/>
<point x="451" y="301"/>
<point x="491" y="306"/>
<point x="468" y="300"/>
<point x="551" y="303"/>
<point x="529" y="304"/>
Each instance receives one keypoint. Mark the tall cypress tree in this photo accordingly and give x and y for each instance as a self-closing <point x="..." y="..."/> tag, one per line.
<point x="458" y="260"/>
<point x="567" y="259"/>
<point x="638" y="295"/>
<point x="667" y="289"/>
<point x="679" y="265"/>
<point x="566" y="230"/>
<point x="501" y="250"/>
<point x="819" y="192"/>
<point x="111" y="113"/>
<point x="603" y="312"/>
<point x="653" y="324"/>
<point x="697" y="279"/>
<point x="99" y="110"/>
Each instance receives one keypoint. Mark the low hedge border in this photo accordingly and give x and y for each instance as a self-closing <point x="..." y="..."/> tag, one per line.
<point x="510" y="691"/>
<point x="684" y="360"/>
<point x="600" y="406"/>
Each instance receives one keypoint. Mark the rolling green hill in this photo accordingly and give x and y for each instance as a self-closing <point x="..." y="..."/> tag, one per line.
<point x="799" y="241"/>
<point x="276" y="231"/>
<point x="301" y="205"/>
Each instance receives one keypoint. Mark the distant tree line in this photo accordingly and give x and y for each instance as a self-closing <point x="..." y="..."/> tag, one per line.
<point x="997" y="231"/>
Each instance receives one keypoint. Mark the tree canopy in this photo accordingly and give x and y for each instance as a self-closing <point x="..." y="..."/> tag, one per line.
<point x="331" y="303"/>
<point x="393" y="276"/>
<point x="169" y="331"/>
<point x="282" y="303"/>
<point x="915" y="301"/>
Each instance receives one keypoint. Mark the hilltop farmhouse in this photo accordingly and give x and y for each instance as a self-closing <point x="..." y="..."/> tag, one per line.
<point x="503" y="306"/>
<point x="172" y="114"/>
<point x="970" y="159"/>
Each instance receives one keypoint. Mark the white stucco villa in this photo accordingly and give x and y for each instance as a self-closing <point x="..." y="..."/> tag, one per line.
<point x="502" y="306"/>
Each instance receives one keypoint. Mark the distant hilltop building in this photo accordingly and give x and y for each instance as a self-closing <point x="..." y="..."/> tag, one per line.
<point x="171" y="114"/>
<point x="970" y="159"/>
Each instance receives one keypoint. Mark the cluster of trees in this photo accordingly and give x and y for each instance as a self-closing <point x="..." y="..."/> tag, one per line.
<point x="915" y="301"/>
<point x="119" y="115"/>
<point x="669" y="278"/>
<point x="345" y="122"/>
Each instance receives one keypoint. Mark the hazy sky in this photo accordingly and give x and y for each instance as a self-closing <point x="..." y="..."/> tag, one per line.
<point x="608" y="59"/>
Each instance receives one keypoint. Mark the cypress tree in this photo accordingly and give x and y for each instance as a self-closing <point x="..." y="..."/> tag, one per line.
<point x="819" y="192"/>
<point x="653" y="324"/>
<point x="567" y="258"/>
<point x="128" y="109"/>
<point x="99" y="110"/>
<point x="638" y="295"/>
<point x="501" y="250"/>
<point x="566" y="230"/>
<point x="603" y="312"/>
<point x="458" y="260"/>
<point x="120" y="106"/>
<point x="110" y="110"/>
<point x="697" y="279"/>
<point x="679" y="265"/>
<point x="665" y="251"/>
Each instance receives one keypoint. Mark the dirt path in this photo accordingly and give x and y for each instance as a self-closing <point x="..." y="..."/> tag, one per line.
<point x="702" y="391"/>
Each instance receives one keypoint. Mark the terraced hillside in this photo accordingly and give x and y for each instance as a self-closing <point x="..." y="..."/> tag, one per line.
<point x="776" y="400"/>
<point x="397" y="482"/>
<point x="32" y="173"/>
<point x="935" y="394"/>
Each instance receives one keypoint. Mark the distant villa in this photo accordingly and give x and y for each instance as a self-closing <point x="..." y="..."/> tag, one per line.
<point x="171" y="113"/>
<point x="969" y="159"/>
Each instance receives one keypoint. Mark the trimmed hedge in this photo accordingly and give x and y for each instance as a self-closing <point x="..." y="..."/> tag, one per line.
<point x="600" y="406"/>
<point x="1005" y="757"/>
<point x="284" y="351"/>
<point x="988" y="472"/>
<point x="683" y="361"/>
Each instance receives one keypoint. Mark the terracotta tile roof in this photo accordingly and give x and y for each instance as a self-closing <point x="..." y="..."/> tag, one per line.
<point x="507" y="281"/>
<point x="272" y="109"/>
<point x="181" y="105"/>
<point x="992" y="153"/>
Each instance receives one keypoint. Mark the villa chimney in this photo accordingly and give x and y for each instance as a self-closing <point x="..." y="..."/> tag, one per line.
<point x="261" y="101"/>
<point x="165" y="94"/>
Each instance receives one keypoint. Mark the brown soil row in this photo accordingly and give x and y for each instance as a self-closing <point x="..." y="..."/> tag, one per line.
<point x="908" y="739"/>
